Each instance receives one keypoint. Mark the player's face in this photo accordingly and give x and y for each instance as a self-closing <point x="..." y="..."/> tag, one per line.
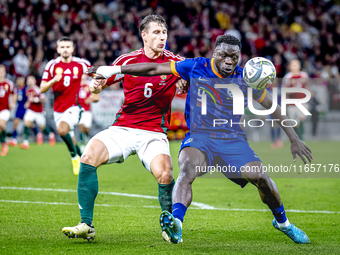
<point x="20" y="82"/>
<point x="295" y="66"/>
<point x="31" y="81"/>
<point x="65" y="49"/>
<point x="226" y="58"/>
<point x="155" y="36"/>
<point x="2" y="72"/>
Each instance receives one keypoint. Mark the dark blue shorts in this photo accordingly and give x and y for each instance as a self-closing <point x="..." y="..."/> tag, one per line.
<point x="20" y="113"/>
<point x="230" y="155"/>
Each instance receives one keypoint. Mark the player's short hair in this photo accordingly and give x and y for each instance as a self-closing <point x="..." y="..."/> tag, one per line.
<point x="64" y="39"/>
<point x="144" y="25"/>
<point x="228" y="39"/>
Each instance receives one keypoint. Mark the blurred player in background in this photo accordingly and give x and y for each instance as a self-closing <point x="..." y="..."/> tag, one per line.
<point x="85" y="99"/>
<point x="20" y="111"/>
<point x="7" y="88"/>
<point x="296" y="79"/>
<point x="140" y="126"/>
<point x="63" y="74"/>
<point x="35" y="114"/>
<point x="224" y="145"/>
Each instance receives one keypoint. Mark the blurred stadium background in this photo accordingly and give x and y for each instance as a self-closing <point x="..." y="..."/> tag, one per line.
<point x="103" y="30"/>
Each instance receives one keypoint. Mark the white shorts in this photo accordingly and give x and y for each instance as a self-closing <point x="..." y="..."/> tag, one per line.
<point x="5" y="114"/>
<point x="86" y="119"/>
<point x="121" y="142"/>
<point x="70" y="116"/>
<point x="37" y="117"/>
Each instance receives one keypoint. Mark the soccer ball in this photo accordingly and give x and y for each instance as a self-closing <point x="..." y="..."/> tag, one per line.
<point x="259" y="73"/>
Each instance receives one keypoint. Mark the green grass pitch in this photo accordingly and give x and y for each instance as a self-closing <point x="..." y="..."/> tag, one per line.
<point x="32" y="220"/>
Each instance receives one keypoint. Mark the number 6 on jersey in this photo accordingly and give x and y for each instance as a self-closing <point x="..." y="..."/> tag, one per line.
<point x="147" y="90"/>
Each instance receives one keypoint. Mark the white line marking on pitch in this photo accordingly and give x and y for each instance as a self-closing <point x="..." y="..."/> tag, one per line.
<point x="199" y="205"/>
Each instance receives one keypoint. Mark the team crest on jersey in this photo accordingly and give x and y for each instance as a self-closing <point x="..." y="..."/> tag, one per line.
<point x="59" y="70"/>
<point x="6" y="87"/>
<point x="162" y="83"/>
<point x="163" y="77"/>
<point x="75" y="70"/>
<point x="87" y="89"/>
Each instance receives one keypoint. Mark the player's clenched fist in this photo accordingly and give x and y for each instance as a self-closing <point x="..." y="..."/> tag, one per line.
<point x="58" y="77"/>
<point x="96" y="85"/>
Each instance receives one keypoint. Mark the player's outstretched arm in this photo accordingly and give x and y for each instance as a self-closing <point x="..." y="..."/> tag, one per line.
<point x="142" y="69"/>
<point x="297" y="147"/>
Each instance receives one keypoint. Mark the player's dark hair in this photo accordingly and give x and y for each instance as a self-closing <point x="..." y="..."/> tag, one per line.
<point x="64" y="39"/>
<point x="228" y="39"/>
<point x="153" y="17"/>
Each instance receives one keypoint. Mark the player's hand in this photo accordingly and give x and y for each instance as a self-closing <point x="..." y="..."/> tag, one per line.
<point x="27" y="105"/>
<point x="182" y="86"/>
<point x="58" y="77"/>
<point x="299" y="148"/>
<point x="11" y="106"/>
<point x="96" y="85"/>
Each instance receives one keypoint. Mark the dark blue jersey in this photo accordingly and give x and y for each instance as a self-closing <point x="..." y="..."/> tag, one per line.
<point x="22" y="98"/>
<point x="207" y="101"/>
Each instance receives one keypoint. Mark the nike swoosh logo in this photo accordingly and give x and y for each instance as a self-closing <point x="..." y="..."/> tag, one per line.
<point x="201" y="79"/>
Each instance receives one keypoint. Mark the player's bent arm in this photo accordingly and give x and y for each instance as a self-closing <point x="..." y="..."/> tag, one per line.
<point x="46" y="85"/>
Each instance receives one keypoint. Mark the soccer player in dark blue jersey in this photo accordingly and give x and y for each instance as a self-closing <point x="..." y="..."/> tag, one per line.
<point x="225" y="143"/>
<point x="20" y="111"/>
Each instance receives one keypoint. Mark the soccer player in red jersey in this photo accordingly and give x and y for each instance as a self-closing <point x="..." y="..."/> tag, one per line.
<point x="7" y="88"/>
<point x="85" y="98"/>
<point x="63" y="74"/>
<point x="34" y="113"/>
<point x="296" y="78"/>
<point x="139" y="128"/>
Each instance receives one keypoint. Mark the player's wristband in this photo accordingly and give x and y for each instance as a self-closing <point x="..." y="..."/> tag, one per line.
<point x="108" y="71"/>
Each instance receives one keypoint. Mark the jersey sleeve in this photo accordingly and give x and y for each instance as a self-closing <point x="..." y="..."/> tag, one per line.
<point x="259" y="95"/>
<point x="183" y="68"/>
<point x="120" y="61"/>
<point x="48" y="72"/>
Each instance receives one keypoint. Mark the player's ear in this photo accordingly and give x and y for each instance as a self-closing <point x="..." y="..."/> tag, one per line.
<point x="214" y="53"/>
<point x="144" y="36"/>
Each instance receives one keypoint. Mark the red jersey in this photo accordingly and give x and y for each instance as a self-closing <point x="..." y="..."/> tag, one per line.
<point x="147" y="102"/>
<point x="66" y="90"/>
<point x="35" y="93"/>
<point x="84" y="93"/>
<point x="6" y="88"/>
<point x="295" y="81"/>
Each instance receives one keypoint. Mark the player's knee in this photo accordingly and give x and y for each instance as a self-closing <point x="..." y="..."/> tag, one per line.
<point x="62" y="131"/>
<point x="88" y="158"/>
<point x="260" y="180"/>
<point x="165" y="176"/>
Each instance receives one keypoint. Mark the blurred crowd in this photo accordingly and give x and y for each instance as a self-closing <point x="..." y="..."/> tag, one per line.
<point x="102" y="30"/>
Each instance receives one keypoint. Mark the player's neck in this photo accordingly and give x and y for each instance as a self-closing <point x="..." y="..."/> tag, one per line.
<point x="66" y="60"/>
<point x="151" y="54"/>
<point x="296" y="73"/>
<point x="2" y="79"/>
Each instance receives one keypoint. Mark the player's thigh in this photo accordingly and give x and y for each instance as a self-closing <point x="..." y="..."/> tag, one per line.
<point x="192" y="162"/>
<point x="70" y="116"/>
<point x="86" y="119"/>
<point x="4" y="115"/>
<point x="153" y="151"/>
<point x="40" y="120"/>
<point x="114" y="144"/>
